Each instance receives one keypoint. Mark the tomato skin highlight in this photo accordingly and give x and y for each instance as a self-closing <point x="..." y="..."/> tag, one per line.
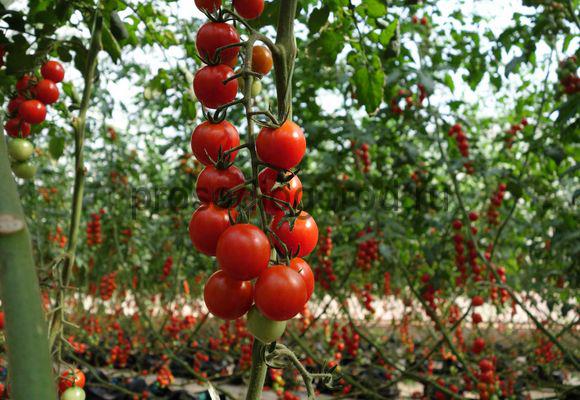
<point x="71" y="378"/>
<point x="262" y="61"/>
<point x="283" y="147"/>
<point x="249" y="9"/>
<point x="262" y="328"/>
<point x="208" y="5"/>
<point x="227" y="298"/>
<point x="207" y="223"/>
<point x="302" y="267"/>
<point x="209" y="87"/>
<point x="243" y="251"/>
<point x="53" y="70"/>
<point x="291" y="192"/>
<point x="213" y="35"/>
<point x="15" y="127"/>
<point x="299" y="241"/>
<point x="208" y="139"/>
<point x="46" y="91"/>
<point x="32" y="111"/>
<point x="280" y="293"/>
<point x="212" y="184"/>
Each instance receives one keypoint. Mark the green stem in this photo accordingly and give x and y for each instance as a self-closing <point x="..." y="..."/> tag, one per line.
<point x="258" y="372"/>
<point x="25" y="328"/>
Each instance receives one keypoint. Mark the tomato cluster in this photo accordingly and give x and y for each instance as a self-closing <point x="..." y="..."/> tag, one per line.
<point x="108" y="286"/>
<point x="462" y="144"/>
<point x="511" y="133"/>
<point x="324" y="273"/>
<point x="367" y="250"/>
<point x="495" y="202"/>
<point x="28" y="107"/>
<point x="167" y="266"/>
<point x="362" y="154"/>
<point x="568" y="76"/>
<point x="94" y="236"/>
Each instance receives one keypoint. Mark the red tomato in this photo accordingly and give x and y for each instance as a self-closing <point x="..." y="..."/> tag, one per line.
<point x="53" y="70"/>
<point x="213" y="184"/>
<point x="23" y="83"/>
<point x="249" y="9"/>
<point x="243" y="251"/>
<point x="290" y="192"/>
<point x="299" y="241"/>
<point x="283" y="147"/>
<point x="1" y="320"/>
<point x="213" y="35"/>
<point x="227" y="298"/>
<point x="32" y="111"/>
<point x="477" y="301"/>
<point x="262" y="61"/>
<point x="15" y="127"/>
<point x="302" y="267"/>
<point x="208" y="140"/>
<point x="71" y="378"/>
<point x="209" y="87"/>
<point x="207" y="223"/>
<point x="14" y="104"/>
<point x="280" y="293"/>
<point x="208" y="5"/>
<point x="46" y="91"/>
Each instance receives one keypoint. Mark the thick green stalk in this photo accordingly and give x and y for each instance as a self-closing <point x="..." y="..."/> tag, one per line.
<point x="25" y="328"/>
<point x="258" y="373"/>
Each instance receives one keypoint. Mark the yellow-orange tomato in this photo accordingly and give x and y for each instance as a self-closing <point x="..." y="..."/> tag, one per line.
<point x="261" y="60"/>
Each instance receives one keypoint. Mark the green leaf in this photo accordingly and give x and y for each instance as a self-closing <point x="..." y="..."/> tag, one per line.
<point x="556" y="153"/>
<point x="388" y="33"/>
<point x="448" y="80"/>
<point x="373" y="8"/>
<point x="110" y="44"/>
<point x="369" y="83"/>
<point x="56" y="147"/>
<point x="318" y="18"/>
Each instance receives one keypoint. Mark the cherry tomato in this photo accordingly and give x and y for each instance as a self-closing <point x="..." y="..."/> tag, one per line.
<point x="53" y="70"/>
<point x="249" y="9"/>
<point x="264" y="329"/>
<point x="280" y="293"/>
<point x="24" y="170"/>
<point x="14" y="104"/>
<point x="289" y="189"/>
<point x="243" y="251"/>
<point x="213" y="35"/>
<point x="32" y="111"/>
<point x="208" y="5"/>
<point x="207" y="223"/>
<point x="24" y="83"/>
<point x="15" y="127"/>
<point x="46" y="91"/>
<point x="20" y="149"/>
<point x="227" y="298"/>
<point x="70" y="378"/>
<point x="261" y="60"/>
<point x="302" y="267"/>
<point x="283" y="147"/>
<point x="209" y="87"/>
<point x="301" y="240"/>
<point x="1" y="320"/>
<point x="209" y="140"/>
<point x="74" y="393"/>
<point x="213" y="185"/>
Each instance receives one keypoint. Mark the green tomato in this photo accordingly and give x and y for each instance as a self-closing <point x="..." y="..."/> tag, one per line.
<point x="24" y="170"/>
<point x="263" y="328"/>
<point x="20" y="149"/>
<point x="73" y="393"/>
<point x="256" y="87"/>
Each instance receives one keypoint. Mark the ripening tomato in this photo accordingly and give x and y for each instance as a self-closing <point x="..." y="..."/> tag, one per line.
<point x="209" y="87"/>
<point x="249" y="9"/>
<point x="283" y="147"/>
<point x="74" y="393"/>
<point x="208" y="5"/>
<point x="262" y="328"/>
<point x="302" y="267"/>
<point x="299" y="241"/>
<point x="243" y="251"/>
<point x="213" y="185"/>
<point x="227" y="298"/>
<point x="207" y="223"/>
<point x="261" y="60"/>
<point x="32" y="111"/>
<point x="46" y="91"/>
<point x="53" y="70"/>
<point x="213" y="35"/>
<point x="280" y="293"/>
<point x="288" y="189"/>
<point x="15" y="127"/>
<point x="70" y="378"/>
<point x="14" y="104"/>
<point x="209" y="140"/>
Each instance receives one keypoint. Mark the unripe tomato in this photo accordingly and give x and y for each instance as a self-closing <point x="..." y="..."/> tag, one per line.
<point x="243" y="251"/>
<point x="213" y="185"/>
<point x="280" y="293"/>
<point x="227" y="298"/>
<point x="71" y="378"/>
<point x="15" y="127"/>
<point x="299" y="241"/>
<point x="249" y="9"/>
<point x="46" y="91"/>
<point x="302" y="267"/>
<point x="264" y="329"/>
<point x="208" y="5"/>
<point x="262" y="61"/>
<point x="73" y="393"/>
<point x="20" y="149"/>
<point x="209" y="87"/>
<point x="32" y="111"/>
<point x="283" y="147"/>
<point x="213" y="35"/>
<point x="24" y="170"/>
<point x="53" y="70"/>
<point x="207" y="223"/>
<point x="289" y="191"/>
<point x="208" y="140"/>
<point x="256" y="87"/>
